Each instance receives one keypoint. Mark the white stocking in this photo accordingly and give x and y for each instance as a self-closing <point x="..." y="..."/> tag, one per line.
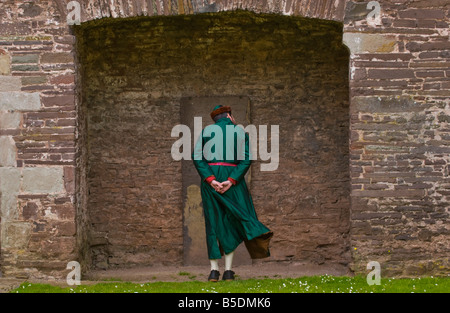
<point x="229" y="261"/>
<point x="214" y="264"/>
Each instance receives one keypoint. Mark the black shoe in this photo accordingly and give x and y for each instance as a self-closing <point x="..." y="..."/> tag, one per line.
<point x="228" y="275"/>
<point x="214" y="276"/>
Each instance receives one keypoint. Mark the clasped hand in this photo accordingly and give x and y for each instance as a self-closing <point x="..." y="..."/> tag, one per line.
<point x="221" y="187"/>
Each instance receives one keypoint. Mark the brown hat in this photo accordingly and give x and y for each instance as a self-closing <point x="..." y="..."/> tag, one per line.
<point x="219" y="109"/>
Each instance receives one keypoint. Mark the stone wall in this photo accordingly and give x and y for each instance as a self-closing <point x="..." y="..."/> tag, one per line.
<point x="399" y="133"/>
<point x="37" y="142"/>
<point x="399" y="153"/>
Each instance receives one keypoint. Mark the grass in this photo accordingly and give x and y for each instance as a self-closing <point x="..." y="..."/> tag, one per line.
<point x="310" y="284"/>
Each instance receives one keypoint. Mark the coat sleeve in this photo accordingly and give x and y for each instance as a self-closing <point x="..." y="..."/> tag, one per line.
<point x="242" y="167"/>
<point x="200" y="162"/>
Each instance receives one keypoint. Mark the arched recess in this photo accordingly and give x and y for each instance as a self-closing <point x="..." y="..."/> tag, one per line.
<point x="134" y="75"/>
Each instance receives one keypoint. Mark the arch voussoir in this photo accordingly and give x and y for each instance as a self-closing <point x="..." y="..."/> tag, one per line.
<point x="323" y="9"/>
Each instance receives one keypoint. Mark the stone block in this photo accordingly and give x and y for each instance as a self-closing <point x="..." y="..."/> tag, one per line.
<point x="16" y="28"/>
<point x="9" y="188"/>
<point x="63" y="79"/>
<point x="16" y="234"/>
<point x="7" y="151"/>
<point x="385" y="104"/>
<point x="29" y="9"/>
<point x="59" y="57"/>
<point x="26" y="58"/>
<point x="5" y="62"/>
<point x="20" y="101"/>
<point x="69" y="179"/>
<point x="390" y="73"/>
<point x="10" y="83"/>
<point x="368" y="43"/>
<point x="9" y="120"/>
<point x="30" y="211"/>
<point x="34" y="80"/>
<point x="427" y="46"/>
<point x="43" y="180"/>
<point x="355" y="11"/>
<point x="25" y="68"/>
<point x="58" y="101"/>
<point x="207" y="8"/>
<point x="422" y="14"/>
<point x="412" y="193"/>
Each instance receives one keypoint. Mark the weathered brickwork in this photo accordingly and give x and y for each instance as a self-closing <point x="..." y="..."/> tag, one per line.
<point x="399" y="152"/>
<point x="37" y="131"/>
<point x="397" y="126"/>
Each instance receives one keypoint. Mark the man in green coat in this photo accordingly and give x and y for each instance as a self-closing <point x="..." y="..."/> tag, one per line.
<point x="222" y="157"/>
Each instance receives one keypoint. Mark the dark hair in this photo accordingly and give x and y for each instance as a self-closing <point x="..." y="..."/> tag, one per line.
<point x="219" y="116"/>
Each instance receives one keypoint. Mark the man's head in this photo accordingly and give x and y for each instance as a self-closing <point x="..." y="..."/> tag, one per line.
<point x="220" y="111"/>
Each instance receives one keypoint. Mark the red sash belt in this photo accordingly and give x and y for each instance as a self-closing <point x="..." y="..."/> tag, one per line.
<point x="223" y="164"/>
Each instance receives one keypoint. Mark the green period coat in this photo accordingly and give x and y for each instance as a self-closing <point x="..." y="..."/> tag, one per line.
<point x="230" y="218"/>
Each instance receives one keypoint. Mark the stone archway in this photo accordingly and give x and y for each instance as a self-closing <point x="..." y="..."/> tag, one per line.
<point x="135" y="74"/>
<point x="323" y="9"/>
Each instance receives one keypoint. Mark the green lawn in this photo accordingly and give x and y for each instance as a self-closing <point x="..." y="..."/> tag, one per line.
<point x="310" y="284"/>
